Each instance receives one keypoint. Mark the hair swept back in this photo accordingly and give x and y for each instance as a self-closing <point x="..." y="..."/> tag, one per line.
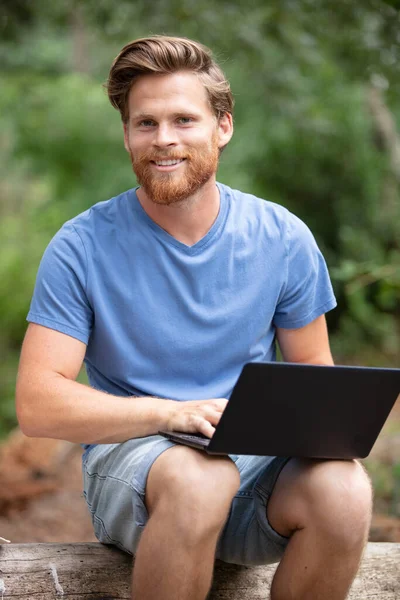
<point x="162" y="54"/>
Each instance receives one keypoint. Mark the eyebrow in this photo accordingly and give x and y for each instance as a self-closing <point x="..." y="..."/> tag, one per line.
<point x="141" y="116"/>
<point x="149" y="116"/>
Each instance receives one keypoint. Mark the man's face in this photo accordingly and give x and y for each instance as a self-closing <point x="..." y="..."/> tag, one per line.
<point x="172" y="136"/>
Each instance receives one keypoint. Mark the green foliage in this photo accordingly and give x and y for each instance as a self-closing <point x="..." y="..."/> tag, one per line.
<point x="8" y="418"/>
<point x="385" y="477"/>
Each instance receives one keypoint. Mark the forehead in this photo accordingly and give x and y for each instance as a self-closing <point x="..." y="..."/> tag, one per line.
<point x="176" y="91"/>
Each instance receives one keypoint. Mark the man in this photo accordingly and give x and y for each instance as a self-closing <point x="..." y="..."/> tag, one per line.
<point x="166" y="291"/>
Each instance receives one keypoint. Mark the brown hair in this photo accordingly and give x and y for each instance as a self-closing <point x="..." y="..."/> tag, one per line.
<point x="161" y="55"/>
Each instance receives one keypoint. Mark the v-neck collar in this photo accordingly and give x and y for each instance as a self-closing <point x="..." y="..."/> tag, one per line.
<point x="212" y="233"/>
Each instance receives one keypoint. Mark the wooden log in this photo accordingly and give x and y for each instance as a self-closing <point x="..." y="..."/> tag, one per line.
<point x="98" y="572"/>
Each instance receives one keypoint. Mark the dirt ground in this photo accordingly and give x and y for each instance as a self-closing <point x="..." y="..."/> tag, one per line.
<point x="41" y="496"/>
<point x="41" y="492"/>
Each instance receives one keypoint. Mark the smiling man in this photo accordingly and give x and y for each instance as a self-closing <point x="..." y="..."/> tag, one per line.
<point x="165" y="292"/>
<point x="173" y="146"/>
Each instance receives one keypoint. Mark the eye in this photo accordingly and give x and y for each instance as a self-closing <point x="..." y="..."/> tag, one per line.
<point x="185" y="120"/>
<point x="146" y="123"/>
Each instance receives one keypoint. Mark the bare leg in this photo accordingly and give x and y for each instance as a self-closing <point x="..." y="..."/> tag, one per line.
<point x="169" y="570"/>
<point x="326" y="506"/>
<point x="188" y="495"/>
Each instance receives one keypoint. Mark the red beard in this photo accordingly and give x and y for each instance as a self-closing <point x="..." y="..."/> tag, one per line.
<point x="169" y="188"/>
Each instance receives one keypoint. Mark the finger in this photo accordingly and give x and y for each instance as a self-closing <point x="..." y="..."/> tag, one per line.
<point x="205" y="427"/>
<point x="212" y="416"/>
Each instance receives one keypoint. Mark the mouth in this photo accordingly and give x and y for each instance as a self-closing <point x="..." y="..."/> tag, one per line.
<point x="168" y="165"/>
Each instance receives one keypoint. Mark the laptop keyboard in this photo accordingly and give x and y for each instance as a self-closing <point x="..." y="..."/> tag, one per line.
<point x="202" y="439"/>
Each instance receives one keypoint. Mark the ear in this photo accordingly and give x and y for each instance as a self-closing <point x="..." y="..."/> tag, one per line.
<point x="126" y="136"/>
<point x="225" y="129"/>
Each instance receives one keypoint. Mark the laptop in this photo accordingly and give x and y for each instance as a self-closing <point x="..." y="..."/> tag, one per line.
<point x="314" y="411"/>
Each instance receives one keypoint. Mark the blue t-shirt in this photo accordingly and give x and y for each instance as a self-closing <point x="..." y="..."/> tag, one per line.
<point x="165" y="319"/>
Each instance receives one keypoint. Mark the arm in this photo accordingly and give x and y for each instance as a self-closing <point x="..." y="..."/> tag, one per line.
<point x="308" y="344"/>
<point x="50" y="403"/>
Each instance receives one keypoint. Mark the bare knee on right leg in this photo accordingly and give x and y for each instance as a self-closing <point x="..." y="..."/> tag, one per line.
<point x="191" y="491"/>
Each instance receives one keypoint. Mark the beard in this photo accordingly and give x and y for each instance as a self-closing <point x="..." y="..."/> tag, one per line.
<point x="169" y="188"/>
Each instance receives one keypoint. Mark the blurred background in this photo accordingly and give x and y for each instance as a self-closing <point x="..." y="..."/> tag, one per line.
<point x="317" y="89"/>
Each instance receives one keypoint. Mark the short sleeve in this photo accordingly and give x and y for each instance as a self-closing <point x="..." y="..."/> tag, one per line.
<point x="307" y="292"/>
<point x="59" y="299"/>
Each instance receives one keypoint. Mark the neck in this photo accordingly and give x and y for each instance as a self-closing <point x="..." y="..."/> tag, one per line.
<point x="187" y="221"/>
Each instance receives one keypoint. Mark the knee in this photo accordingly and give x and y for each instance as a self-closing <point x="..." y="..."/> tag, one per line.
<point x="341" y="494"/>
<point x="191" y="490"/>
<point x="334" y="497"/>
<point x="201" y="485"/>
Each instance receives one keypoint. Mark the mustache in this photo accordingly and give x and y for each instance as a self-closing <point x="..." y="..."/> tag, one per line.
<point x="152" y="157"/>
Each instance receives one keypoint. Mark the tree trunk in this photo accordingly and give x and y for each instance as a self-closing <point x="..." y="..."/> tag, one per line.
<point x="98" y="572"/>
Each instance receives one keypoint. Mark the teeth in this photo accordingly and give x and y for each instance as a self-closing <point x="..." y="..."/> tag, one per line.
<point x="167" y="163"/>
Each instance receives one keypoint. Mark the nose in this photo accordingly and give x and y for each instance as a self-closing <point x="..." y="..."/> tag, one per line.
<point x="165" y="136"/>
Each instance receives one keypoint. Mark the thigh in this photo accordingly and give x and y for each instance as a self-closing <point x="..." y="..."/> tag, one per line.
<point x="114" y="480"/>
<point x="248" y="538"/>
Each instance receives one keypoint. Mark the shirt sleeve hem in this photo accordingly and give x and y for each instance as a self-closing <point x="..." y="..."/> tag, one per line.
<point x="57" y="326"/>
<point x="297" y="323"/>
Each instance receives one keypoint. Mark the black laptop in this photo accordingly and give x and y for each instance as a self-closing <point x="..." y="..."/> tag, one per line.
<point x="288" y="409"/>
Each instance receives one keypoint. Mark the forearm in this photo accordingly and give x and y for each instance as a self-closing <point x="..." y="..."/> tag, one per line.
<point x="56" y="407"/>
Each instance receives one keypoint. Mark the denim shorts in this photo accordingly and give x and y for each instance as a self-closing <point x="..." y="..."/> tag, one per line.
<point x="115" y="476"/>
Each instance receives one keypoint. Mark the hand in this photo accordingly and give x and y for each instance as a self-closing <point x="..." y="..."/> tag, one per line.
<point x="197" y="416"/>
